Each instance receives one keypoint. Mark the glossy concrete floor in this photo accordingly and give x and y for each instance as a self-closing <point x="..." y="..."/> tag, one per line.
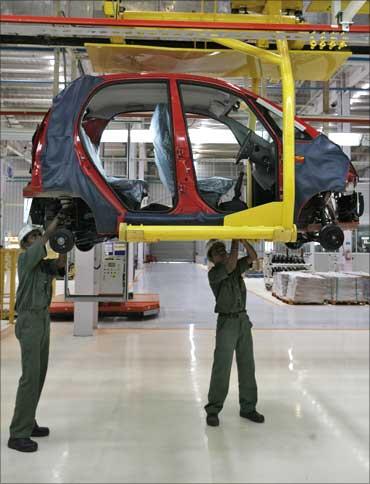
<point x="186" y="298"/>
<point x="126" y="405"/>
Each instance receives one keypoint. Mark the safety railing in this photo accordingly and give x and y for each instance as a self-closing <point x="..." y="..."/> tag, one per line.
<point x="8" y="270"/>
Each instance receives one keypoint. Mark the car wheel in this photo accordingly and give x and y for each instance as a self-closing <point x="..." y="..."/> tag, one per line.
<point x="84" y="246"/>
<point x="294" y="245"/>
<point x="61" y="241"/>
<point x="331" y="237"/>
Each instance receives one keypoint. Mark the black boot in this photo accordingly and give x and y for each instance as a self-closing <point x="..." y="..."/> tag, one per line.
<point x="212" y="420"/>
<point x="23" y="445"/>
<point x="40" y="431"/>
<point x="254" y="416"/>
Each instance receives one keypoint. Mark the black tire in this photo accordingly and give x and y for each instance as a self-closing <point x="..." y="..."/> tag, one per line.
<point x="136" y="316"/>
<point x="331" y="237"/>
<point x="84" y="246"/>
<point x="294" y="245"/>
<point x="61" y="241"/>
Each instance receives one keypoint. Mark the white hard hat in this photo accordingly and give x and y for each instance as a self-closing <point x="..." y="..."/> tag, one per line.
<point x="210" y="244"/>
<point x="27" y="229"/>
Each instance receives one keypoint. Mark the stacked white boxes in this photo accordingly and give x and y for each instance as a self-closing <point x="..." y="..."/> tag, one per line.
<point x="322" y="287"/>
<point x="280" y="284"/>
<point x="344" y="288"/>
<point x="363" y="285"/>
<point x="306" y="288"/>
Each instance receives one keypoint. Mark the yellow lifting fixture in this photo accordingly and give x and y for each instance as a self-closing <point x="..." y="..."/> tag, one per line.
<point x="318" y="64"/>
<point x="310" y="65"/>
<point x="272" y="221"/>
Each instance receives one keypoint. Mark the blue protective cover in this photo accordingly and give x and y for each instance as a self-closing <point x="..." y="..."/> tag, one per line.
<point x="60" y="168"/>
<point x="160" y="129"/>
<point x="216" y="184"/>
<point x="134" y="190"/>
<point x="325" y="168"/>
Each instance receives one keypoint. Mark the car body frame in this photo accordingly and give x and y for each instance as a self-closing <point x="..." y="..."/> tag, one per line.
<point x="67" y="170"/>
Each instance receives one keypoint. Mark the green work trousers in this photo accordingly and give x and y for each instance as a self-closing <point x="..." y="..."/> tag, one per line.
<point x="33" y="332"/>
<point x="233" y="334"/>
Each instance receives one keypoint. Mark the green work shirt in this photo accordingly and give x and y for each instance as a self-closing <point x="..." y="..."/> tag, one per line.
<point x="35" y="276"/>
<point x="229" y="289"/>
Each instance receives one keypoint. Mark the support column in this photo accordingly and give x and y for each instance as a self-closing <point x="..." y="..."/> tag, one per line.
<point x="141" y="175"/>
<point x="56" y="71"/>
<point x="252" y="126"/>
<point x="86" y="313"/>
<point x="2" y="200"/>
<point x="345" y="110"/>
<point x="131" y="175"/>
<point x="346" y="263"/>
<point x="346" y="249"/>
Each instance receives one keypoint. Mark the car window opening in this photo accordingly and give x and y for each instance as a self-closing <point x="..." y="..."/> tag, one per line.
<point x="214" y="116"/>
<point x="136" y="131"/>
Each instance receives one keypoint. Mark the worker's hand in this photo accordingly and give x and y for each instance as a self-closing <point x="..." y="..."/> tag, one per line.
<point x="63" y="214"/>
<point x="247" y="242"/>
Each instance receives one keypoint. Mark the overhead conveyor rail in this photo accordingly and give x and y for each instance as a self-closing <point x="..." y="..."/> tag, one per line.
<point x="275" y="220"/>
<point x="200" y="27"/>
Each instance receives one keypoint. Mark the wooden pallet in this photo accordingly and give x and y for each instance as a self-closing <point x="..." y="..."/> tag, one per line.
<point x="295" y="303"/>
<point x="334" y="303"/>
<point x="348" y="303"/>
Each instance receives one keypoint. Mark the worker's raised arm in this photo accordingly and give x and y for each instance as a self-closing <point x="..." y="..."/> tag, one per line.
<point x="51" y="227"/>
<point x="233" y="257"/>
<point x="251" y="253"/>
<point x="62" y="261"/>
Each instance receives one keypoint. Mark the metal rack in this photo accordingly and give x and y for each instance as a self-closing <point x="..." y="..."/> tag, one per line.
<point x="273" y="263"/>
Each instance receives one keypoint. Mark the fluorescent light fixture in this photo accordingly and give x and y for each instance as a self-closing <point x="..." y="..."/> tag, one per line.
<point x="211" y="136"/>
<point x="197" y="136"/>
<point x="346" y="139"/>
<point x="141" y="136"/>
<point x="365" y="91"/>
<point x="279" y="113"/>
<point x="121" y="136"/>
<point x="114" y="136"/>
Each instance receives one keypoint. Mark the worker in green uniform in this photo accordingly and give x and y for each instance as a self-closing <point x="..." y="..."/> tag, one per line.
<point x="233" y="331"/>
<point x="32" y="329"/>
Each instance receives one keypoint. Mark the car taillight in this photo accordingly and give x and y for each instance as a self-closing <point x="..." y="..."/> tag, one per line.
<point x="352" y="179"/>
<point x="350" y="187"/>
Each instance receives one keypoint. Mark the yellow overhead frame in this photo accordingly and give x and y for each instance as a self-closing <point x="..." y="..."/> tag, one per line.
<point x="325" y="6"/>
<point x="110" y="9"/>
<point x="272" y="221"/>
<point x="268" y="6"/>
<point x="314" y="65"/>
<point x="263" y="11"/>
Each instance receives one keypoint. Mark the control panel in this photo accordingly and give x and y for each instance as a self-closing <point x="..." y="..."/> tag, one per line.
<point x="112" y="275"/>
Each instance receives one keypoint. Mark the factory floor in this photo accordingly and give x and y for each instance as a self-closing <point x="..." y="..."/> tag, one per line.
<point x="126" y="405"/>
